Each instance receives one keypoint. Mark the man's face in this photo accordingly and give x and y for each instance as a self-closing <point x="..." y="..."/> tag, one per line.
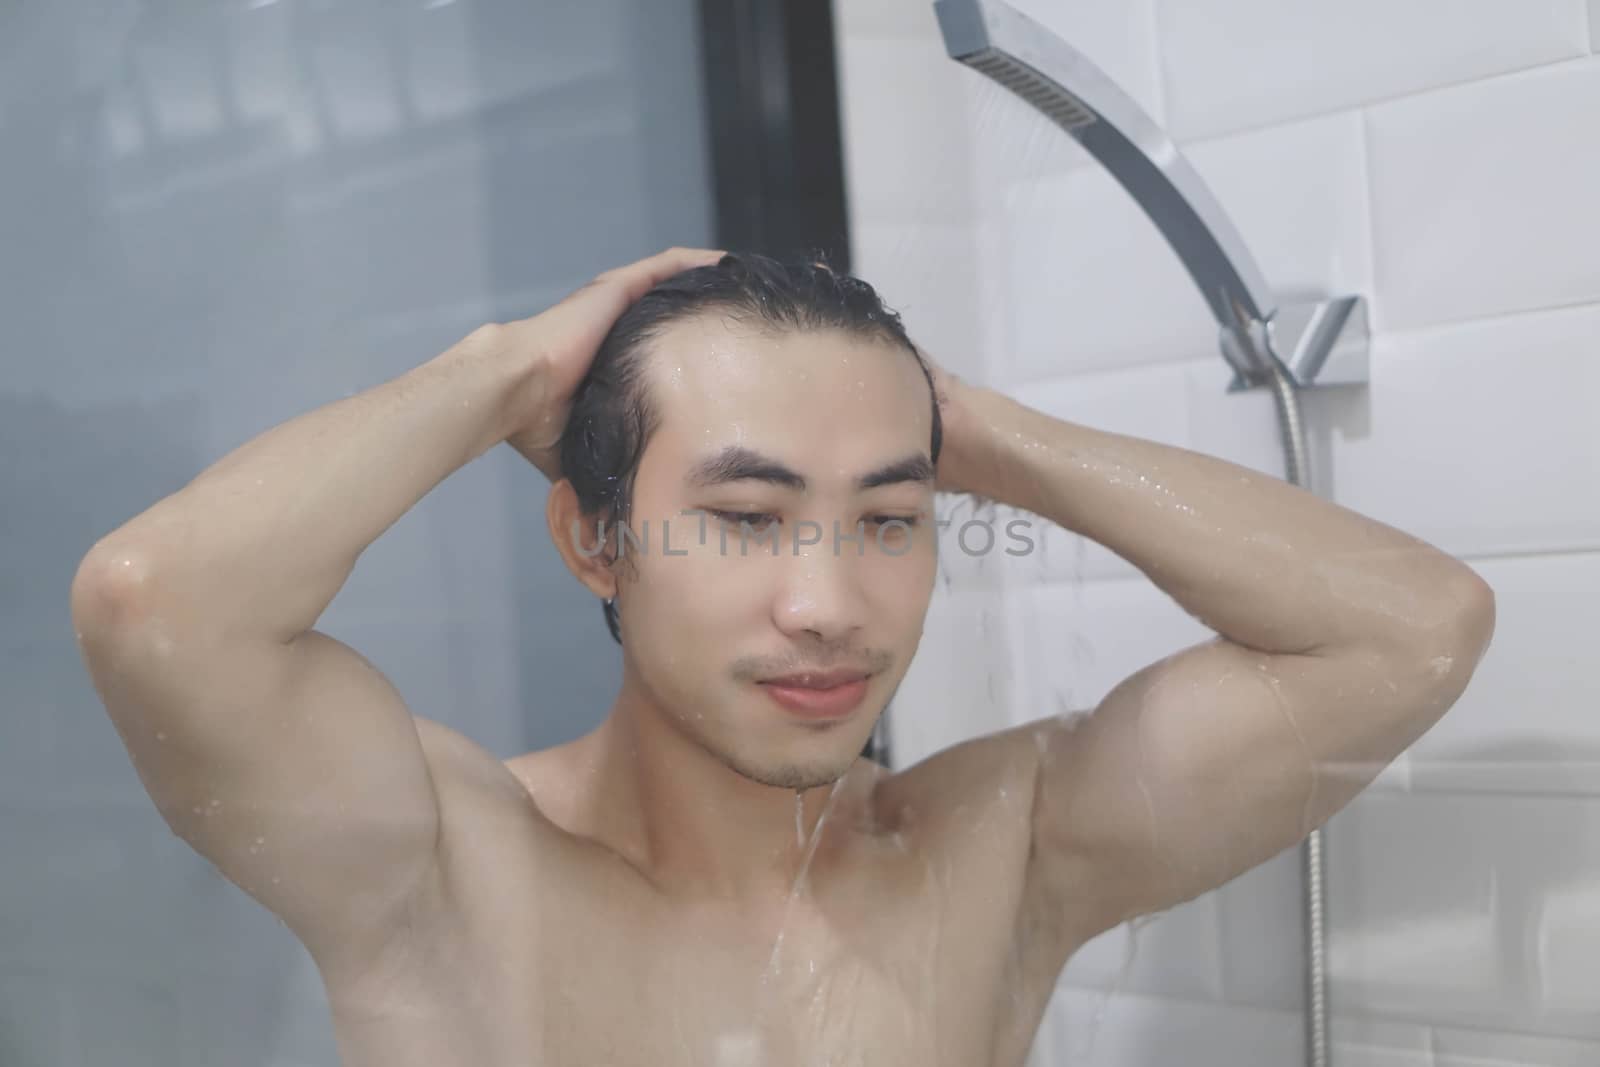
<point x="800" y="435"/>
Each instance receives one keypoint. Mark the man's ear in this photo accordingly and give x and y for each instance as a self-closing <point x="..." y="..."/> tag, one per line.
<point x="579" y="540"/>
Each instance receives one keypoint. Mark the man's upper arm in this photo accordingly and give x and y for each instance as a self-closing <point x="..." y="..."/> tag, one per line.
<point x="1213" y="760"/>
<point x="296" y="769"/>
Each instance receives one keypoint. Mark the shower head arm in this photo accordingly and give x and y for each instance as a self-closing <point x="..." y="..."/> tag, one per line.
<point x="1061" y="83"/>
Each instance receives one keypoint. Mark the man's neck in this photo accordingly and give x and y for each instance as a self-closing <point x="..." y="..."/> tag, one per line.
<point x="698" y="828"/>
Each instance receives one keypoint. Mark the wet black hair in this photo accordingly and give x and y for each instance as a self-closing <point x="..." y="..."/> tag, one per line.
<point x="612" y="418"/>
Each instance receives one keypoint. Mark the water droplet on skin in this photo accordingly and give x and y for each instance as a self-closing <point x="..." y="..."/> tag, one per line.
<point x="160" y="736"/>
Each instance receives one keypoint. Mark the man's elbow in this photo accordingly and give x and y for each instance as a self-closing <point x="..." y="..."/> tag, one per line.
<point x="1450" y="653"/>
<point x="1475" y="628"/>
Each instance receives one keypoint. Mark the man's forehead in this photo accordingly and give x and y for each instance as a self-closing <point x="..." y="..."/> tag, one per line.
<point x="821" y="401"/>
<point x="720" y="347"/>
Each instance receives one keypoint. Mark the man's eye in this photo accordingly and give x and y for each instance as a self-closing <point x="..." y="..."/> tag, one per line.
<point x="755" y="519"/>
<point x="905" y="520"/>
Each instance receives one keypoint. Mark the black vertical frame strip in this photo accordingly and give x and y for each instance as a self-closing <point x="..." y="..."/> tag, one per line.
<point x="772" y="103"/>
<point x="772" y="108"/>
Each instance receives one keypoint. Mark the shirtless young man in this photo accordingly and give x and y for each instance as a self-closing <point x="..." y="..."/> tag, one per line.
<point x="635" y="896"/>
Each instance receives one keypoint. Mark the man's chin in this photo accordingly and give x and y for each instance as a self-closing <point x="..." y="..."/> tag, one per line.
<point x="789" y="775"/>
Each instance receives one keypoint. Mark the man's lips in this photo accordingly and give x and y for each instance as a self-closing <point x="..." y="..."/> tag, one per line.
<point x="817" y="679"/>
<point x="809" y="695"/>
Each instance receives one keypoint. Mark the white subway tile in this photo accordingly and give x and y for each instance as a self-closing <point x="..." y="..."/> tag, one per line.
<point x="1080" y="640"/>
<point x="980" y="545"/>
<point x="927" y="274"/>
<point x="1095" y="1029"/>
<point x="992" y="298"/>
<point x="1012" y="141"/>
<point x="1364" y="1042"/>
<point x="1483" y="1048"/>
<point x="1297" y="194"/>
<point x="1474" y="438"/>
<point x="1174" y="953"/>
<point x="1093" y="284"/>
<point x="1260" y="919"/>
<point x="904" y="20"/>
<point x="1527" y="722"/>
<point x="1411" y="909"/>
<point x="908" y="153"/>
<point x="1435" y="906"/>
<point x="1230" y="64"/>
<point x="958" y="684"/>
<point x="1567" y="977"/>
<point x="1483" y="196"/>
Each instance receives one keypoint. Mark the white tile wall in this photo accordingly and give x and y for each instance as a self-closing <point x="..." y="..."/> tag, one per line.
<point x="1528" y="721"/>
<point x="1456" y="1047"/>
<point x="1238" y="63"/>
<point x="1080" y="640"/>
<point x="1444" y="167"/>
<point x="927" y="273"/>
<point x="897" y="19"/>
<point x="1101" y="287"/>
<point x="1104" y="289"/>
<point x="1477" y="438"/>
<point x="1371" y="1043"/>
<point x="1483" y="197"/>
<point x="946" y="698"/>
<point x="1264" y="971"/>
<point x="1491" y="925"/>
<point x="907" y="158"/>
<point x="1307" y="224"/>
<point x="1175" y="953"/>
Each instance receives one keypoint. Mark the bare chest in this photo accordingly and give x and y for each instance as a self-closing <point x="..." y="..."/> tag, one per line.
<point x="903" y="962"/>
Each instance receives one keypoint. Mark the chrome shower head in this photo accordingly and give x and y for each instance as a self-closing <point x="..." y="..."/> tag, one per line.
<point x="1007" y="46"/>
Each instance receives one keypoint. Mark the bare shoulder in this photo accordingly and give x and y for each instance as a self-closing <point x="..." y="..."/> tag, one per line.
<point x="987" y="779"/>
<point x="465" y="768"/>
<point x="482" y="802"/>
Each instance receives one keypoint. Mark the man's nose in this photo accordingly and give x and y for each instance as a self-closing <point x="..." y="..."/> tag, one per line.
<point x="820" y="592"/>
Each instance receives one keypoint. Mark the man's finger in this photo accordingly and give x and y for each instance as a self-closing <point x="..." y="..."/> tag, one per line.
<point x="611" y="291"/>
<point x="639" y="277"/>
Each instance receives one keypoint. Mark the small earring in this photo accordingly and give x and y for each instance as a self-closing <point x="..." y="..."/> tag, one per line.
<point x="611" y="602"/>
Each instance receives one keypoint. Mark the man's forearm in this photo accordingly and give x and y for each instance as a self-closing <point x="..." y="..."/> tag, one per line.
<point x="1260" y="561"/>
<point x="261" y="541"/>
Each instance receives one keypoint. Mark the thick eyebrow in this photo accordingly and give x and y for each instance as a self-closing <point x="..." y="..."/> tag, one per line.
<point x="913" y="468"/>
<point x="737" y="464"/>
